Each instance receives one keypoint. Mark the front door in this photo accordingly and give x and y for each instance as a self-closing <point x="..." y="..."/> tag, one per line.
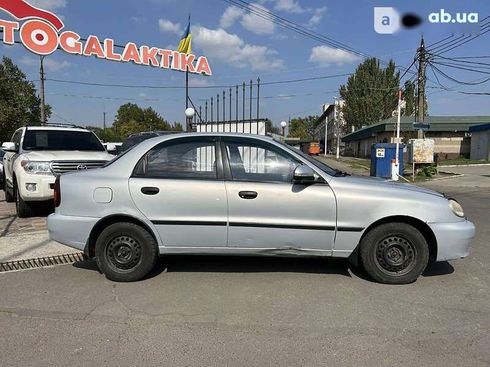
<point x="176" y="185"/>
<point x="266" y="209"/>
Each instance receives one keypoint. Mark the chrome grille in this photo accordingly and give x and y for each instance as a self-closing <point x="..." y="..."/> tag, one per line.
<point x="60" y="167"/>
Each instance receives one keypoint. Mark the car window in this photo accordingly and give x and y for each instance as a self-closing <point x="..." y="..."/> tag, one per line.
<point x="256" y="161"/>
<point x="16" y="137"/>
<point x="180" y="160"/>
<point x="62" y="140"/>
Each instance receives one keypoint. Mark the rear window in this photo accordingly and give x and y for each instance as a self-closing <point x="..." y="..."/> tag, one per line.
<point x="61" y="140"/>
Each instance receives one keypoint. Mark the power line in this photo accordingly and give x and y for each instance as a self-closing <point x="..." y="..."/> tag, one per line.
<point x="290" y="81"/>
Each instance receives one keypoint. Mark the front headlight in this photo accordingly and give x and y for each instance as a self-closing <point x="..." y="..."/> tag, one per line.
<point x="36" y="168"/>
<point x="456" y="208"/>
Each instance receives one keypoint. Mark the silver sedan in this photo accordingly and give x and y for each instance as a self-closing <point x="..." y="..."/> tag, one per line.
<point x="232" y="194"/>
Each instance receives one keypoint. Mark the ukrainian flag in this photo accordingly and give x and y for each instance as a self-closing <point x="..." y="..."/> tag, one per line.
<point x="185" y="45"/>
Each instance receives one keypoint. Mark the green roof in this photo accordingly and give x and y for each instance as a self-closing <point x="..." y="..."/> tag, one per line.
<point x="437" y="123"/>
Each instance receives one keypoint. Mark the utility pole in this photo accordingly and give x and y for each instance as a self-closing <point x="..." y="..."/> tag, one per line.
<point x="104" y="121"/>
<point x="41" y="92"/>
<point x="421" y="87"/>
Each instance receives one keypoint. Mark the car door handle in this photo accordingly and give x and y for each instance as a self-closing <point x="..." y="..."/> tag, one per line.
<point x="248" y="195"/>
<point x="150" y="190"/>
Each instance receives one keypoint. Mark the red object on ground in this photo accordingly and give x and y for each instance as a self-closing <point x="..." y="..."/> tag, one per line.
<point x="22" y="10"/>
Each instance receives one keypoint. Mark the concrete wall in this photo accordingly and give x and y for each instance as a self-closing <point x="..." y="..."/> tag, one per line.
<point x="480" y="145"/>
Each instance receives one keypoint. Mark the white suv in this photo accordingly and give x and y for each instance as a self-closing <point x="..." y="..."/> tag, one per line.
<point x="36" y="155"/>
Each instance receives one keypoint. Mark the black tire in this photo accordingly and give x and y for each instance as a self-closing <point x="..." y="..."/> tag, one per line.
<point x="126" y="252"/>
<point x="9" y="197"/>
<point x="24" y="209"/>
<point x="394" y="253"/>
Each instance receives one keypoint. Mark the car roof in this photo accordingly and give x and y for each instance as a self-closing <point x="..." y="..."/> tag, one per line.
<point x="51" y="128"/>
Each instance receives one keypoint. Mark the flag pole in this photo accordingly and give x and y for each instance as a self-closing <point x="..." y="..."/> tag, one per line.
<point x="187" y="96"/>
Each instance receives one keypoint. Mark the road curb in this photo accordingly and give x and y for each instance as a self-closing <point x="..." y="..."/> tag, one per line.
<point x="465" y="165"/>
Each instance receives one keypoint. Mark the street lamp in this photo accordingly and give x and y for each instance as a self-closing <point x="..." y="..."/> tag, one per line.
<point x="189" y="114"/>
<point x="284" y="124"/>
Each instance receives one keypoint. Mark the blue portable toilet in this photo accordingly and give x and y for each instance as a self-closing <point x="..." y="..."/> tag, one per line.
<point x="381" y="156"/>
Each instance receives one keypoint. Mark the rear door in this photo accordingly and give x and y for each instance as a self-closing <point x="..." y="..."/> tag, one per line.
<point x="266" y="209"/>
<point x="179" y="187"/>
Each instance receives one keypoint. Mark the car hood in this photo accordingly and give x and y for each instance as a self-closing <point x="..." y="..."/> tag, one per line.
<point x="382" y="185"/>
<point x="67" y="155"/>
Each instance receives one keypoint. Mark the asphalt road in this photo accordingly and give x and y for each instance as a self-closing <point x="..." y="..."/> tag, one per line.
<point x="212" y="311"/>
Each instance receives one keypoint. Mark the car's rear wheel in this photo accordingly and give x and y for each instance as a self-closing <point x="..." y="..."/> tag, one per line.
<point x="126" y="252"/>
<point x="24" y="209"/>
<point x="9" y="197"/>
<point x="394" y="253"/>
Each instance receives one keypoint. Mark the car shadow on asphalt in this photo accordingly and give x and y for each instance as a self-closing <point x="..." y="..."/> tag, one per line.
<point x="437" y="269"/>
<point x="257" y="264"/>
<point x="239" y="264"/>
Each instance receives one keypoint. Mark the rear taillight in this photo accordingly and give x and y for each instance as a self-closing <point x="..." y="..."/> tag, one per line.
<point x="57" y="192"/>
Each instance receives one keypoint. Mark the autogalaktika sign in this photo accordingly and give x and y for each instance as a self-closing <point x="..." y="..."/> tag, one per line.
<point x="41" y="33"/>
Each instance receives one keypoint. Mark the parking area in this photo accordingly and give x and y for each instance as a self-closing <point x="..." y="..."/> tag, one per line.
<point x="10" y="224"/>
<point x="232" y="311"/>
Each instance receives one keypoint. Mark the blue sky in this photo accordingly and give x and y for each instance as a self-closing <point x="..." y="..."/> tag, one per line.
<point x="241" y="47"/>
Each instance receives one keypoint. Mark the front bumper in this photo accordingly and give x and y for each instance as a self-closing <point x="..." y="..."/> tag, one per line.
<point x="43" y="187"/>
<point x="71" y="231"/>
<point x="453" y="239"/>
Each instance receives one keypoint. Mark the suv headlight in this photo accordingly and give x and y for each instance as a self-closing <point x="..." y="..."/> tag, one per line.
<point x="456" y="208"/>
<point x="36" y="168"/>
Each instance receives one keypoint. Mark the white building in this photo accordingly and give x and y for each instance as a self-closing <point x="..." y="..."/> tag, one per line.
<point x="333" y="123"/>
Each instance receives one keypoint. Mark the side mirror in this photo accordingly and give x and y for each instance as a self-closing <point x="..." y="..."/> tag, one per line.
<point x="10" y="147"/>
<point x="304" y="175"/>
<point x="111" y="148"/>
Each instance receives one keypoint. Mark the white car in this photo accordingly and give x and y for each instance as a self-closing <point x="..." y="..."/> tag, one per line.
<point x="36" y="155"/>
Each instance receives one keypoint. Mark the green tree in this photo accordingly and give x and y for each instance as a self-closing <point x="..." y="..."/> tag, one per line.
<point x="370" y="94"/>
<point x="19" y="103"/>
<point x="131" y="119"/>
<point x="270" y="128"/>
<point x="303" y="127"/>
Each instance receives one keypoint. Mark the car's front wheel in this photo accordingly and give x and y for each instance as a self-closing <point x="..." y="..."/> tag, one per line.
<point x="126" y="252"/>
<point x="394" y="253"/>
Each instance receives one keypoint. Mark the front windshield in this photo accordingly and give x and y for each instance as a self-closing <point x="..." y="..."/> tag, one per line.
<point x="62" y="140"/>
<point x="320" y="165"/>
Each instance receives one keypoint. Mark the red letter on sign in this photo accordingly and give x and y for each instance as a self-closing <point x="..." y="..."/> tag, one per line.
<point x="203" y="66"/>
<point x="149" y="55"/>
<point x="39" y="37"/>
<point x="93" y="47"/>
<point x="165" y="64"/>
<point x="8" y="31"/>
<point x="131" y="53"/>
<point x="109" y="50"/>
<point x="69" y="43"/>
<point x="186" y="63"/>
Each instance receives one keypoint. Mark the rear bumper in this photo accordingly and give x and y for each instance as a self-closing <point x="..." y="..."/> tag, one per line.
<point x="453" y="239"/>
<point x="71" y="231"/>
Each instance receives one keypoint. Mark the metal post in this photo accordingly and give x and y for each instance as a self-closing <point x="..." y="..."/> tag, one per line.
<point x="200" y="114"/>
<point x="224" y="106"/>
<point x="217" y="109"/>
<point x="41" y="92"/>
<point x="206" y="112"/>
<point x="236" y="110"/>
<point x="212" y="110"/>
<point x="230" y="109"/>
<point x="258" y="103"/>
<point x="251" y="103"/>
<point x="337" y="127"/>
<point x="243" y="111"/>
<point x="395" y="170"/>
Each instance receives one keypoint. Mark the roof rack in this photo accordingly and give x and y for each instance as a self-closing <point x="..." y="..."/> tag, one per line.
<point x="58" y="124"/>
